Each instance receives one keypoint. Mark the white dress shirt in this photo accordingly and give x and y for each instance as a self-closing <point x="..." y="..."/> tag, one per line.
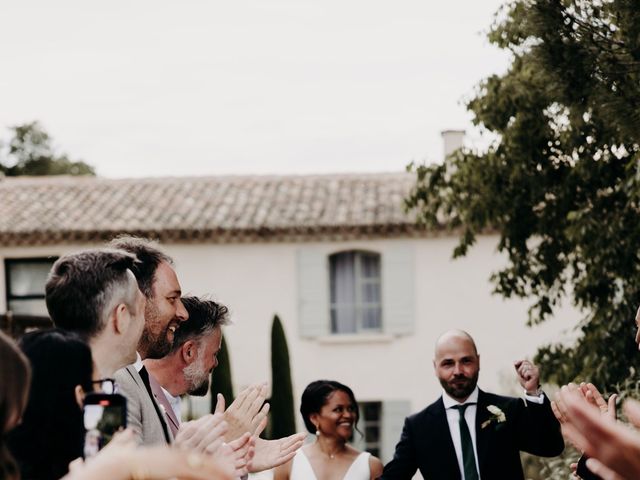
<point x="453" y="417"/>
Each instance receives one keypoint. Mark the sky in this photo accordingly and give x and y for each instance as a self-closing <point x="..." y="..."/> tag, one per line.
<point x="172" y="88"/>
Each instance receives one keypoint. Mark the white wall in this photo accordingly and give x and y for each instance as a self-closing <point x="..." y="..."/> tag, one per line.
<point x="257" y="281"/>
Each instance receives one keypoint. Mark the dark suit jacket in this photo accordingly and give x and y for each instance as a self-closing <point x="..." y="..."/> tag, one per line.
<point x="426" y="442"/>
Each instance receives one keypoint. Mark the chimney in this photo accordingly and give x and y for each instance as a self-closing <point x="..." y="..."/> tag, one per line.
<point x="452" y="140"/>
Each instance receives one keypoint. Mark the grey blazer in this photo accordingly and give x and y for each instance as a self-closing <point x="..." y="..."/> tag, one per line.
<point x="142" y="415"/>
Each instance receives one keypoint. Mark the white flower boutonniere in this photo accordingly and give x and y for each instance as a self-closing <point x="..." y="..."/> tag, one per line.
<point x="497" y="415"/>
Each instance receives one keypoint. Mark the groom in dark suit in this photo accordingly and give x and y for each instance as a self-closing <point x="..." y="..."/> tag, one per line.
<point x="468" y="434"/>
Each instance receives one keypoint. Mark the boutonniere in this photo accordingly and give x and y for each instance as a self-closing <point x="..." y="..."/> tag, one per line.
<point x="497" y="416"/>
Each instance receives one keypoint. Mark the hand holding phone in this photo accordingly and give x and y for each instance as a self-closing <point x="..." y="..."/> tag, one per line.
<point x="104" y="414"/>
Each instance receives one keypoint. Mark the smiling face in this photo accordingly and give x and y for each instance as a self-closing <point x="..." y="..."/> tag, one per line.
<point x="163" y="314"/>
<point x="457" y="365"/>
<point x="337" y="416"/>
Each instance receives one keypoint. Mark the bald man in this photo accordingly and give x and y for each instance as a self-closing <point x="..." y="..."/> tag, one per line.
<point x="468" y="434"/>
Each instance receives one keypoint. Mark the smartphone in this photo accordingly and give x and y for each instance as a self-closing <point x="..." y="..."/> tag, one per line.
<point x="104" y="414"/>
<point x="583" y="472"/>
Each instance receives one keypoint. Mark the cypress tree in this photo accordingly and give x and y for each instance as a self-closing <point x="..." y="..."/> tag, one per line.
<point x="282" y="418"/>
<point x="221" y="378"/>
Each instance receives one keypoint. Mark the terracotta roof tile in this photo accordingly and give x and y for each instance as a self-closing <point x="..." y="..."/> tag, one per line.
<point x="45" y="210"/>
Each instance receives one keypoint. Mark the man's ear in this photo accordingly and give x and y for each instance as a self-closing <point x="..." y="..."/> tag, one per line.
<point x="121" y="318"/>
<point x="189" y="352"/>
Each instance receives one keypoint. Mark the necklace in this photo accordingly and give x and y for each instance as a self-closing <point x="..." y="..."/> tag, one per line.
<point x="333" y="454"/>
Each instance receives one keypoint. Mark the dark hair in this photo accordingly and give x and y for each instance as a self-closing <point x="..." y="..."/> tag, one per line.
<point x="15" y="375"/>
<point x="204" y="317"/>
<point x="149" y="257"/>
<point x="315" y="397"/>
<point x="52" y="432"/>
<point x="82" y="288"/>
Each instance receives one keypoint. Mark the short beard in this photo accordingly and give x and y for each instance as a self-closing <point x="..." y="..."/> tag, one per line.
<point x="460" y="393"/>
<point x="196" y="378"/>
<point x="151" y="345"/>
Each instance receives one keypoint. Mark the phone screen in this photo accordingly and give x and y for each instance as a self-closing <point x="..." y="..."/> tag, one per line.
<point x="104" y="415"/>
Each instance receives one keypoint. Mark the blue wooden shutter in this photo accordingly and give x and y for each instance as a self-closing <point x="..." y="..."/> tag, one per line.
<point x="313" y="292"/>
<point x="398" y="289"/>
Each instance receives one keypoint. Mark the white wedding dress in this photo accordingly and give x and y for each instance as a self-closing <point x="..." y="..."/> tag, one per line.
<point x="301" y="468"/>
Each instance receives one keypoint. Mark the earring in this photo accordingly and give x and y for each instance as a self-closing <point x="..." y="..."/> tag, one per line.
<point x="317" y="431"/>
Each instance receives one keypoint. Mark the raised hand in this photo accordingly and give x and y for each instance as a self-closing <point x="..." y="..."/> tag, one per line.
<point x="272" y="453"/>
<point x="528" y="376"/>
<point x="595" y="398"/>
<point x="615" y="447"/>
<point x="203" y="435"/>
<point x="239" y="452"/>
<point x="247" y="412"/>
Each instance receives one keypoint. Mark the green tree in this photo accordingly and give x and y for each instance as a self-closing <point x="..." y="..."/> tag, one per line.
<point x="30" y="152"/>
<point x="559" y="186"/>
<point x="221" y="378"/>
<point x="282" y="417"/>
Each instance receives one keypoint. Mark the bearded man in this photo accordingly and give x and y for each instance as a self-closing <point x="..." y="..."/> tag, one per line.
<point x="468" y="434"/>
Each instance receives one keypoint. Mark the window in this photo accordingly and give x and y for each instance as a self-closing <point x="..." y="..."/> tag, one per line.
<point x="371" y="426"/>
<point x="355" y="292"/>
<point x="25" y="280"/>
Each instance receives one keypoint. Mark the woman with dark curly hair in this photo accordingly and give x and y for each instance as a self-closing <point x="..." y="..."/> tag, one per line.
<point x="330" y="411"/>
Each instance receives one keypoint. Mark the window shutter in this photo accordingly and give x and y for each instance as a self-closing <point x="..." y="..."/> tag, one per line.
<point x="393" y="414"/>
<point x="398" y="289"/>
<point x="313" y="293"/>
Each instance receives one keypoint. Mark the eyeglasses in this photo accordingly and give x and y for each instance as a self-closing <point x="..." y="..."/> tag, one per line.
<point x="107" y="385"/>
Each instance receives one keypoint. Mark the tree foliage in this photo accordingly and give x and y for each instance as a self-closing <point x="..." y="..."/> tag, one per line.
<point x="560" y="184"/>
<point x="282" y="417"/>
<point x="221" y="377"/>
<point x="30" y="152"/>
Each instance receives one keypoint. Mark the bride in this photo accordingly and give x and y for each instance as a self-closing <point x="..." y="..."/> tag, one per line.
<point x="329" y="410"/>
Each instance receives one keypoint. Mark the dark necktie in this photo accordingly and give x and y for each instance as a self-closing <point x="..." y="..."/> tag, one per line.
<point x="145" y="379"/>
<point x="468" y="457"/>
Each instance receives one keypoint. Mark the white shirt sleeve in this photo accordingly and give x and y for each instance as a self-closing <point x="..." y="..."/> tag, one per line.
<point x="539" y="399"/>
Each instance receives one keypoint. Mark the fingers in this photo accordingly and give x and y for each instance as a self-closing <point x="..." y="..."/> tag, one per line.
<point x="220" y="404"/>
<point x="263" y="422"/>
<point x="601" y="470"/>
<point x="204" y="433"/>
<point x="240" y="401"/>
<point x="632" y="411"/>
<point x="611" y="406"/>
<point x="595" y="397"/>
<point x="292" y="443"/>
<point x="557" y="412"/>
<point x="259" y="422"/>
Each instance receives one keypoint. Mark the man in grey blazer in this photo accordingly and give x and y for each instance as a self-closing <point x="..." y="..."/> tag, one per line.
<point x="164" y="312"/>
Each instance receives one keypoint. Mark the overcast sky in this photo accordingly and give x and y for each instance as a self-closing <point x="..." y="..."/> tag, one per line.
<point x="155" y="87"/>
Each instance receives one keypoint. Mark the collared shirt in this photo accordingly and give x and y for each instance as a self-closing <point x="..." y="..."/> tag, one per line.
<point x="453" y="417"/>
<point x="175" y="402"/>
<point x="138" y="363"/>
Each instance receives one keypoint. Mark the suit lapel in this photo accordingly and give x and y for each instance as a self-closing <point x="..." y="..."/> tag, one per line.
<point x="482" y="434"/>
<point x="162" y="400"/>
<point x="443" y="450"/>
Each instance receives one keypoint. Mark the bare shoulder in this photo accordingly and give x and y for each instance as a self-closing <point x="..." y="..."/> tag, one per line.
<point x="375" y="467"/>
<point x="282" y="472"/>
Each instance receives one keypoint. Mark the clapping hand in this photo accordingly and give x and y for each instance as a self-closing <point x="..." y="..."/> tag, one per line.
<point x="614" y="448"/>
